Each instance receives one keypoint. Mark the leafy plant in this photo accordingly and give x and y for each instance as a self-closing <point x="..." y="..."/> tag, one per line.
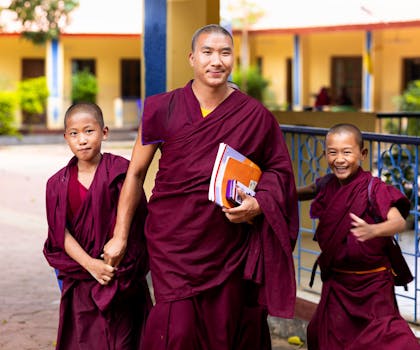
<point x="84" y="87"/>
<point x="33" y="94"/>
<point x="409" y="101"/>
<point x="251" y="81"/>
<point x="8" y="102"/>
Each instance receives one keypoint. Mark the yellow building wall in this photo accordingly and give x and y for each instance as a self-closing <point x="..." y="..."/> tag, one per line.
<point x="184" y="18"/>
<point x="364" y="121"/>
<point x="318" y="52"/>
<point x="317" y="49"/>
<point x="389" y="48"/>
<point x="13" y="50"/>
<point x="107" y="52"/>
<point x="275" y="50"/>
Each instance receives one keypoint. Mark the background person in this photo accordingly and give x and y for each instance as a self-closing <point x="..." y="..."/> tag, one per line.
<point x="322" y="99"/>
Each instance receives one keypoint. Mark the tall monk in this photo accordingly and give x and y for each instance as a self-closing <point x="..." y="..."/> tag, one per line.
<point x="215" y="276"/>
<point x="358" y="216"/>
<point x="101" y="307"/>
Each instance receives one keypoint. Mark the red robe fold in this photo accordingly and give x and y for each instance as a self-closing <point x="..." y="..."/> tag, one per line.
<point x="356" y="311"/>
<point x="94" y="316"/>
<point x="192" y="245"/>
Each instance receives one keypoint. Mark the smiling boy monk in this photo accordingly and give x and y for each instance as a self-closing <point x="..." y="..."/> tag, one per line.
<point x="358" y="216"/>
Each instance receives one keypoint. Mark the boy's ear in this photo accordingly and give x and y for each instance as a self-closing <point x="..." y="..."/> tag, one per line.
<point x="105" y="133"/>
<point x="364" y="153"/>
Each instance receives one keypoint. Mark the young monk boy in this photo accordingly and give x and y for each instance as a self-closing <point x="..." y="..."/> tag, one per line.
<point x="358" y="216"/>
<point x="102" y="306"/>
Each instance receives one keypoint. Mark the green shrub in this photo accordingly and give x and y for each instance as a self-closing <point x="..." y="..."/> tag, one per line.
<point x="251" y="81"/>
<point x="409" y="101"/>
<point x="33" y="94"/>
<point x="84" y="87"/>
<point x="8" y="102"/>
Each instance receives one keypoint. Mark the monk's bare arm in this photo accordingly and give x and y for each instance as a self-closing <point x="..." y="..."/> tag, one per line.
<point x="250" y="208"/>
<point x="129" y="198"/>
<point x="307" y="192"/>
<point x="393" y="224"/>
<point x="102" y="272"/>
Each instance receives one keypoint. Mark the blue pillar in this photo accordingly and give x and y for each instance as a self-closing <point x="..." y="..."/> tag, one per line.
<point x="54" y="75"/>
<point x="53" y="84"/>
<point x="297" y="86"/>
<point x="154" y="35"/>
<point x="367" y="88"/>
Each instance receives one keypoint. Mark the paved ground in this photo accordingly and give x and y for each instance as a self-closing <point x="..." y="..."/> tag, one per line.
<point x="29" y="294"/>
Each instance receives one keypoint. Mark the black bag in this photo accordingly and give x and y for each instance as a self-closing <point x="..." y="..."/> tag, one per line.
<point x="402" y="273"/>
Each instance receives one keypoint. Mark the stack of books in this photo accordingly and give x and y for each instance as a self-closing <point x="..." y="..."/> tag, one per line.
<point x="231" y="171"/>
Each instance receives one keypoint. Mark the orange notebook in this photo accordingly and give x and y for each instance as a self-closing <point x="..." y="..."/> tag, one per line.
<point x="231" y="165"/>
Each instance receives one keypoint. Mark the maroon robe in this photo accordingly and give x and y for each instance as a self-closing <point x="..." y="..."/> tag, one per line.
<point x="192" y="245"/>
<point x="356" y="311"/>
<point x="93" y="316"/>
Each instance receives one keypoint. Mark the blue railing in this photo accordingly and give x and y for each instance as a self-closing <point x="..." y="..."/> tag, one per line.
<point x="396" y="160"/>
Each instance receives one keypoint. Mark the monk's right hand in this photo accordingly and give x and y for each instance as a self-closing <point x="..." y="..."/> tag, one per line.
<point x="114" y="251"/>
<point x="101" y="271"/>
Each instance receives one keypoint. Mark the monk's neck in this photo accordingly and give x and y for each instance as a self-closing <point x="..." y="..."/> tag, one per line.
<point x="89" y="167"/>
<point x="210" y="97"/>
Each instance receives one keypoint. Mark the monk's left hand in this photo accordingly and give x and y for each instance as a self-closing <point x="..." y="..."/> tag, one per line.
<point x="361" y="229"/>
<point x="114" y="251"/>
<point x="245" y="212"/>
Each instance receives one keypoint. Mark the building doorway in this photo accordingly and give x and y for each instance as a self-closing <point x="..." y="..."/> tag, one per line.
<point x="346" y="76"/>
<point x="411" y="71"/>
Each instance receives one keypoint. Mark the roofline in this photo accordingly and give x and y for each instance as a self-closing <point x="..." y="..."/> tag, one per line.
<point x="84" y="35"/>
<point x="348" y="27"/>
<point x="104" y="35"/>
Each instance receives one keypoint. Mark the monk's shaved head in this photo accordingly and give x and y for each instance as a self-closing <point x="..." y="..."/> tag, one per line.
<point x="210" y="28"/>
<point x="348" y="129"/>
<point x="86" y="107"/>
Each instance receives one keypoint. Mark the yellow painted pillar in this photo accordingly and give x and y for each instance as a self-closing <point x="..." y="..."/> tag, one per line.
<point x="184" y="17"/>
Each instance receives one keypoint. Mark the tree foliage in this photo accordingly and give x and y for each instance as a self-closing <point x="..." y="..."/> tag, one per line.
<point x="243" y="14"/>
<point x="42" y="20"/>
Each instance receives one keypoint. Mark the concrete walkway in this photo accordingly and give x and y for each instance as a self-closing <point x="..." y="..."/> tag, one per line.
<point x="29" y="295"/>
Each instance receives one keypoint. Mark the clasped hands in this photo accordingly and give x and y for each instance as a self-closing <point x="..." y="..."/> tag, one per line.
<point x="104" y="270"/>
